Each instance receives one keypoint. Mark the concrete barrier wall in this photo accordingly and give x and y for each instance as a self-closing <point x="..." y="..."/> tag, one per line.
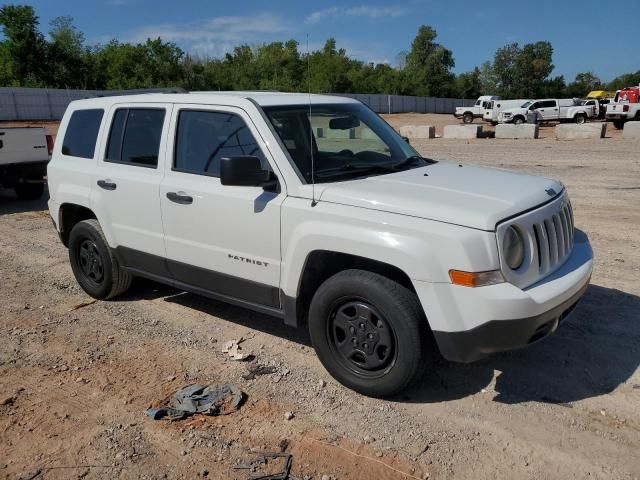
<point x="418" y="131"/>
<point x="462" y="131"/>
<point x="508" y="130"/>
<point x="567" y="131"/>
<point x="631" y="131"/>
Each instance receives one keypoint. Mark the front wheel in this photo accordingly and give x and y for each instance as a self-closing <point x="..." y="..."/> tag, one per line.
<point x="518" y="120"/>
<point x="94" y="266"/>
<point x="467" y="117"/>
<point x="370" y="333"/>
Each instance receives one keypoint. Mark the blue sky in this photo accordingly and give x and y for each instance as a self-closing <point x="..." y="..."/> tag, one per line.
<point x="372" y="30"/>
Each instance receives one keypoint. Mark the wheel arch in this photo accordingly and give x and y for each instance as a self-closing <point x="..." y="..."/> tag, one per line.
<point x="320" y="265"/>
<point x="69" y="214"/>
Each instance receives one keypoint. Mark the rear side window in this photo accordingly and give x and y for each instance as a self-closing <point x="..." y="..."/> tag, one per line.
<point x="82" y="133"/>
<point x="135" y="136"/>
<point x="203" y="138"/>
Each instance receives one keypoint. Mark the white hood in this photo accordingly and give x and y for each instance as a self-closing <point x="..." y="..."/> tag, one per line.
<point x="476" y="197"/>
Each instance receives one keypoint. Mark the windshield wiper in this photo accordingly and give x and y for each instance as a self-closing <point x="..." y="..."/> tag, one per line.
<point x="357" y="168"/>
<point x="410" y="160"/>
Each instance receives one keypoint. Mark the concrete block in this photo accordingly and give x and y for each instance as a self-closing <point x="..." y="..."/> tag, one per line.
<point x="631" y="131"/>
<point x="571" y="131"/>
<point x="418" y="131"/>
<point x="462" y="131"/>
<point x="509" y="130"/>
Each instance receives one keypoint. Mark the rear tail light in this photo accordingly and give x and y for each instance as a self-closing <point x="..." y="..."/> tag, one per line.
<point x="50" y="144"/>
<point x="625" y="108"/>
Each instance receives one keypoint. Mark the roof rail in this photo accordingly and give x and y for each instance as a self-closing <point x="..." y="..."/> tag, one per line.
<point x="139" y="91"/>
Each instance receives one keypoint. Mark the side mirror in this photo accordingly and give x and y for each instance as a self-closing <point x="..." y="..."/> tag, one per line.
<point x="406" y="139"/>
<point x="243" y="171"/>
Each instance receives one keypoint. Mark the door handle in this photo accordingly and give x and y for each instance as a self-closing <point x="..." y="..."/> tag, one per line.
<point x="107" y="184"/>
<point x="181" y="198"/>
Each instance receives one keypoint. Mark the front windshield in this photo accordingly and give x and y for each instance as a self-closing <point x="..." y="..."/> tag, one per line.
<point x="526" y="104"/>
<point x="346" y="140"/>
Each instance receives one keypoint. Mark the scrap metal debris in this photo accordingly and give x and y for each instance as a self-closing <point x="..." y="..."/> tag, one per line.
<point x="232" y="348"/>
<point x="261" y="467"/>
<point x="207" y="400"/>
<point x="255" y="370"/>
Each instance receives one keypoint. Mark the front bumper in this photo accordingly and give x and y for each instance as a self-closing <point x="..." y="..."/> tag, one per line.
<point x="472" y="323"/>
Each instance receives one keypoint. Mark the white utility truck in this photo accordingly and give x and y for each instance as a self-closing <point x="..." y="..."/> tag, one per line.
<point x="467" y="114"/>
<point x="24" y="154"/>
<point x="496" y="106"/>
<point x="625" y="107"/>
<point x="548" y="110"/>
<point x="312" y="209"/>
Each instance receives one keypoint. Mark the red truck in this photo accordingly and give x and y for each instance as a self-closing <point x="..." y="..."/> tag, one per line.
<point x="625" y="106"/>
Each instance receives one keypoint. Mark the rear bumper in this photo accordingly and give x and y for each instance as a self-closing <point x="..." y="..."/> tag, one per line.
<point x="16" y="172"/>
<point x="472" y="323"/>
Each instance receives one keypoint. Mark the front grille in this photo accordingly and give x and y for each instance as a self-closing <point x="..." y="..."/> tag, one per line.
<point x="553" y="238"/>
<point x="548" y="233"/>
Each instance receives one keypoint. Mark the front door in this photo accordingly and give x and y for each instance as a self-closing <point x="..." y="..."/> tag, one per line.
<point x="219" y="239"/>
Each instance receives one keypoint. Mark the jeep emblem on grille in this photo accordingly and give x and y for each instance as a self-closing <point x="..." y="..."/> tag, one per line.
<point x="551" y="192"/>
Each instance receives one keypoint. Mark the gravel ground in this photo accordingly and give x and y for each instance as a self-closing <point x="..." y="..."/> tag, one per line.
<point x="76" y="376"/>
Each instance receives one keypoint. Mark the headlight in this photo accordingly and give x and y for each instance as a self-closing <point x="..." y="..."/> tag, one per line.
<point x="513" y="248"/>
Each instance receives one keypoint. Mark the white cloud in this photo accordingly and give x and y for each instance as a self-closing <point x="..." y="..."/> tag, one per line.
<point x="359" y="11"/>
<point x="214" y="36"/>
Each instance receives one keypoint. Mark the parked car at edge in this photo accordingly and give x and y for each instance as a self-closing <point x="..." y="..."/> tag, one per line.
<point x="625" y="107"/>
<point x="548" y="110"/>
<point x="24" y="154"/>
<point x="313" y="210"/>
<point x="496" y="106"/>
<point x="467" y="114"/>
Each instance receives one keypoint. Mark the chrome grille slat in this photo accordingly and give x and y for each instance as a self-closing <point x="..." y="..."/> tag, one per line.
<point x="543" y="247"/>
<point x="560" y="236"/>
<point x="565" y="230"/>
<point x="552" y="240"/>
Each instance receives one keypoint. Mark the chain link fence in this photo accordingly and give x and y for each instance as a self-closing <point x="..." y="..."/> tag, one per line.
<point x="17" y="104"/>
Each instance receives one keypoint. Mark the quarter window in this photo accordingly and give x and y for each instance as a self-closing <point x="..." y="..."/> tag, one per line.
<point x="82" y="133"/>
<point x="203" y="138"/>
<point x="135" y="136"/>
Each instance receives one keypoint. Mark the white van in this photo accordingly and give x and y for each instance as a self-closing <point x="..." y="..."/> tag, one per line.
<point x="496" y="106"/>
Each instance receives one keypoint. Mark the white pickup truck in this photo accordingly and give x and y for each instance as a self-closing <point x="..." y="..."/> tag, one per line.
<point x="24" y="154"/>
<point x="625" y="107"/>
<point x="467" y="114"/>
<point x="313" y="210"/>
<point x="548" y="110"/>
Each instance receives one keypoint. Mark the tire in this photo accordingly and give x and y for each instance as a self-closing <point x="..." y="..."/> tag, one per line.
<point x="467" y="117"/>
<point x="29" y="191"/>
<point x="402" y="345"/>
<point x="619" y="124"/>
<point x="580" y="118"/>
<point x="518" y="120"/>
<point x="94" y="266"/>
<point x="494" y="123"/>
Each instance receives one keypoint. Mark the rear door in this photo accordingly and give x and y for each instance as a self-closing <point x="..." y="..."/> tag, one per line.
<point x="223" y="240"/>
<point x="548" y="110"/>
<point x="125" y="191"/>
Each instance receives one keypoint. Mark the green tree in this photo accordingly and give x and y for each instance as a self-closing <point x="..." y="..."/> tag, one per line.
<point x="67" y="56"/>
<point x="625" y="80"/>
<point x="469" y="85"/>
<point x="24" y="45"/>
<point x="583" y="84"/>
<point x="429" y="64"/>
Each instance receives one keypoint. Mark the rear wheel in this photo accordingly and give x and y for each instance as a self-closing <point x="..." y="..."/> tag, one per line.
<point x="94" y="266"/>
<point x="467" y="117"/>
<point x="619" y="124"/>
<point x="580" y="118"/>
<point x="369" y="332"/>
<point x="29" y="191"/>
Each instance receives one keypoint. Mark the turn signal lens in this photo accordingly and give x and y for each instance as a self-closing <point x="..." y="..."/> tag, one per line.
<point x="475" y="279"/>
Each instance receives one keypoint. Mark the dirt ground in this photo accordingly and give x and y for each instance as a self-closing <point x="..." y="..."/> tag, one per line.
<point x="76" y="376"/>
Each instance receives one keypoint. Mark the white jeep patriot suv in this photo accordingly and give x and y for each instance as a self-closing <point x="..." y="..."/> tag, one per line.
<point x="314" y="210"/>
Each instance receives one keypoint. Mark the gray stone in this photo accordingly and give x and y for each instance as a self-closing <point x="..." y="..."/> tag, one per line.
<point x="418" y="131"/>
<point x="509" y="130"/>
<point x="569" y="131"/>
<point x="631" y="131"/>
<point x="462" y="131"/>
